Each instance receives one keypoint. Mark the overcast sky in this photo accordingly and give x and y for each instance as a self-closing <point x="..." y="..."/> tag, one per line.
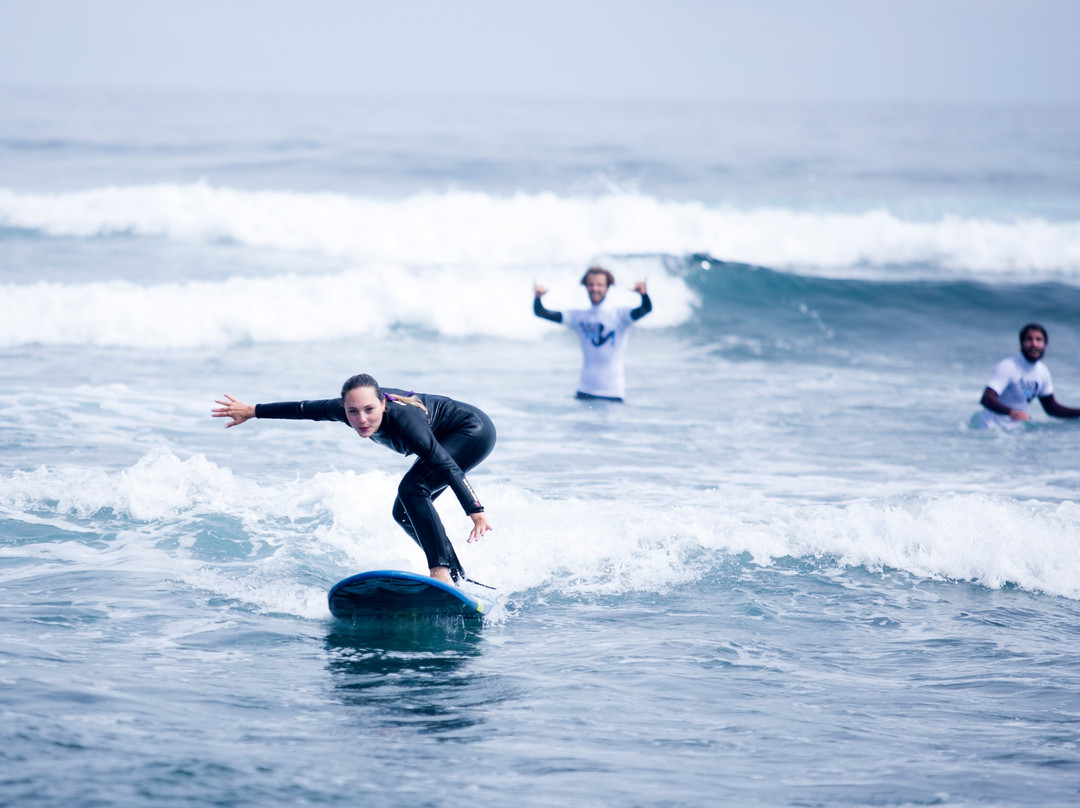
<point x="891" y="50"/>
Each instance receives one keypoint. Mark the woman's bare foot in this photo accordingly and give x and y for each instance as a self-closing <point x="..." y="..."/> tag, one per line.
<point x="441" y="574"/>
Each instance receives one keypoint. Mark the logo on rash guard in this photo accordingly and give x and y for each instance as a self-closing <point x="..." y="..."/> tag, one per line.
<point x="1030" y="389"/>
<point x="595" y="333"/>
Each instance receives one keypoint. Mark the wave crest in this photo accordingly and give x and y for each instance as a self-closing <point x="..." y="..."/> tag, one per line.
<point x="544" y="228"/>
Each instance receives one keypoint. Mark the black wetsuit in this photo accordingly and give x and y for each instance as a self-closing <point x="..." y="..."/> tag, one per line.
<point x="451" y="439"/>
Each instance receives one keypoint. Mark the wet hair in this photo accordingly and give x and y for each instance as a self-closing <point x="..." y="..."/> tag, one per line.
<point x="1034" y="327"/>
<point x="598" y="271"/>
<point x="364" y="380"/>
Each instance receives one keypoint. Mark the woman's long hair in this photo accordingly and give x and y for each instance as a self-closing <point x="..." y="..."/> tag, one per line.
<point x="364" y="380"/>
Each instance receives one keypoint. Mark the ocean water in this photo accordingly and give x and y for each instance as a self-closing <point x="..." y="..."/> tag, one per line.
<point x="787" y="571"/>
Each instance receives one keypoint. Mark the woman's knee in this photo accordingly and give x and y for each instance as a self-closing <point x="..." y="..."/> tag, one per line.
<point x="413" y="486"/>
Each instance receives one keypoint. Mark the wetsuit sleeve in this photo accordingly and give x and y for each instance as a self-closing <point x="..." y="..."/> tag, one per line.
<point x="643" y="309"/>
<point x="1052" y="407"/>
<point x="332" y="409"/>
<point x="418" y="439"/>
<point x="547" y="314"/>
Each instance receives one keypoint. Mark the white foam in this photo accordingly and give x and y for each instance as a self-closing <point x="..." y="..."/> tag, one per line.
<point x="369" y="301"/>
<point x="540" y="229"/>
<point x="586" y="547"/>
<point x="336" y="523"/>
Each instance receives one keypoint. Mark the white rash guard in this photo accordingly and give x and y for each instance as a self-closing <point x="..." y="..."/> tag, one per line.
<point x="603" y="332"/>
<point x="1017" y="382"/>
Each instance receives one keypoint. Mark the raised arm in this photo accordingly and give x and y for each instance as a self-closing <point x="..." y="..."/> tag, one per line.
<point x="646" y="304"/>
<point x="538" y="307"/>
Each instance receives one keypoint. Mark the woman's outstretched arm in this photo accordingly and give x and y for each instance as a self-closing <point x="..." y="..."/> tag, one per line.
<point x="330" y="409"/>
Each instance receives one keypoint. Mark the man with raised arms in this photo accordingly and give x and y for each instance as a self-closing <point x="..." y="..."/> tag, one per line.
<point x="1019" y="379"/>
<point x="602" y="331"/>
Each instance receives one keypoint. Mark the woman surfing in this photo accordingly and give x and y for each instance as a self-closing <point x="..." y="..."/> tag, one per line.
<point x="448" y="438"/>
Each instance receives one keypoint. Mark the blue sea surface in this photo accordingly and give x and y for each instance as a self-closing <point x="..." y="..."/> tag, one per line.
<point x="787" y="571"/>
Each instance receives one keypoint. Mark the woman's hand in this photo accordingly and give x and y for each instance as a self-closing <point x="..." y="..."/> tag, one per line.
<point x="480" y="525"/>
<point x="231" y="408"/>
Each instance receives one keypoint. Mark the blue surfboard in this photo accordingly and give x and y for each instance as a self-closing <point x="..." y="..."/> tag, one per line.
<point x="394" y="593"/>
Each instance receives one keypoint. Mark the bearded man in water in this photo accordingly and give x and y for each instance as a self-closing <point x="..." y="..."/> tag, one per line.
<point x="1019" y="379"/>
